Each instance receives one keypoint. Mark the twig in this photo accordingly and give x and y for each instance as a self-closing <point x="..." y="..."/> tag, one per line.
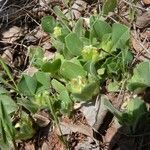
<point x="6" y="42"/>
<point x="133" y="5"/>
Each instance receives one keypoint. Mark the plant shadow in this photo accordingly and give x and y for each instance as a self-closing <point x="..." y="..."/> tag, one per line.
<point x="133" y="137"/>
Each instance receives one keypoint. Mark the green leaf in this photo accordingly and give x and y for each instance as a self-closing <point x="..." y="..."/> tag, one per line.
<point x="111" y="108"/>
<point x="70" y="70"/>
<point x="74" y="44"/>
<point x="112" y="65"/>
<point x="60" y="15"/>
<point x="100" y="28"/>
<point x="26" y="130"/>
<point x="43" y="78"/>
<point x="109" y="6"/>
<point x="90" y="68"/>
<point x="135" y="109"/>
<point x="36" y="56"/>
<point x="113" y="87"/>
<point x="136" y="106"/>
<point x="87" y="92"/>
<point x="59" y="45"/>
<point x="6" y="120"/>
<point x="52" y="67"/>
<point x="58" y="86"/>
<point x="120" y="36"/>
<point x="10" y="105"/>
<point x="28" y="104"/>
<point x="78" y="28"/>
<point x="48" y="23"/>
<point x="27" y="85"/>
<point x="66" y="102"/>
<point x="140" y="78"/>
<point x="6" y="69"/>
<point x="4" y="143"/>
<point x="127" y="57"/>
<point x="106" y="45"/>
<point x="3" y="90"/>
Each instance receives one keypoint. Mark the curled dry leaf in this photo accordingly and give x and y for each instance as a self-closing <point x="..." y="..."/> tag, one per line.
<point x="141" y="49"/>
<point x="44" y="3"/>
<point x="7" y="56"/>
<point x="30" y="71"/>
<point x="29" y="146"/>
<point x="111" y="131"/>
<point x="143" y="20"/>
<point x="146" y="2"/>
<point x="87" y="145"/>
<point x="76" y="9"/>
<point x="35" y="35"/>
<point x="13" y="34"/>
<point x="89" y="110"/>
<point x="42" y="121"/>
<point x="67" y="128"/>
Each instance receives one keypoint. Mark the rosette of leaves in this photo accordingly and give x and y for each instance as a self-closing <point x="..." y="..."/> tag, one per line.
<point x="82" y="89"/>
<point x="78" y="83"/>
<point x="100" y="33"/>
<point x="90" y="53"/>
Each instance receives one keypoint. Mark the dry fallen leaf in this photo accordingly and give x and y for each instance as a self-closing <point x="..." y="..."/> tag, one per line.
<point x="7" y="56"/>
<point x="42" y="121"/>
<point x="81" y="128"/>
<point x="44" y="3"/>
<point x="30" y="70"/>
<point x="136" y="45"/>
<point x="143" y="20"/>
<point x="89" y="110"/>
<point x="13" y="34"/>
<point x="76" y="9"/>
<point x="146" y="2"/>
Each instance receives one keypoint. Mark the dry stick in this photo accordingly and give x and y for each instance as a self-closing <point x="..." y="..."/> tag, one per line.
<point x="139" y="41"/>
<point x="1" y="9"/>
<point x="141" y="44"/>
<point x="5" y="42"/>
<point x="133" y="5"/>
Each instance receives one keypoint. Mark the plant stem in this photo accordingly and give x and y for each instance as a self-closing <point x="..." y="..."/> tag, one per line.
<point x="57" y="122"/>
<point x="8" y="73"/>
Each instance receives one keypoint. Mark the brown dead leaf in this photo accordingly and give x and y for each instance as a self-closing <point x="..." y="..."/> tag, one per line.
<point x="30" y="70"/>
<point x="48" y="55"/>
<point x="143" y="20"/>
<point x="44" y="3"/>
<point x="29" y="146"/>
<point x="7" y="56"/>
<point x="13" y="34"/>
<point x="110" y="134"/>
<point x="76" y="9"/>
<point x="42" y="121"/>
<point x="53" y="143"/>
<point x="46" y="45"/>
<point x="146" y="2"/>
<point x="146" y="34"/>
<point x="136" y="45"/>
<point x="86" y="130"/>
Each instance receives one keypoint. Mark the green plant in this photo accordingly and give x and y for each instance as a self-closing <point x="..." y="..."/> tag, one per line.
<point x="85" y="58"/>
<point x="140" y="79"/>
<point x="131" y="116"/>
